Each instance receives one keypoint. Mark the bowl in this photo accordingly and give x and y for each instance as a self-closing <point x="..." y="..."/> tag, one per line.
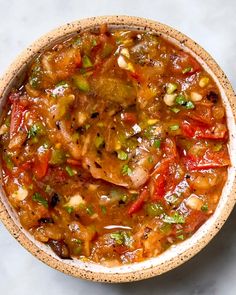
<point x="175" y="255"/>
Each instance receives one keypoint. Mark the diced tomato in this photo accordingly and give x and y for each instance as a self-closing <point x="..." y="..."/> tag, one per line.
<point x="194" y="221"/>
<point x="170" y="148"/>
<point x="137" y="205"/>
<point x="184" y="61"/>
<point x="160" y="188"/>
<point x="120" y="249"/>
<point x="197" y="130"/>
<point x="16" y="117"/>
<point x="40" y="166"/>
<point x="202" y="113"/>
<point x="129" y="118"/>
<point x="159" y="179"/>
<point x="209" y="160"/>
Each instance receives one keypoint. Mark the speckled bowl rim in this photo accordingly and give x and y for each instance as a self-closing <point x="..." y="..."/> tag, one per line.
<point x="174" y="256"/>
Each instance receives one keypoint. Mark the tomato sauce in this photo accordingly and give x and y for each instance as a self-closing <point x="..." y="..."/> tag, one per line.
<point x="115" y="146"/>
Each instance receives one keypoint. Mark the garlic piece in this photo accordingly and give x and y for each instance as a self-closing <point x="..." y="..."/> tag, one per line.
<point x="195" y="96"/>
<point x="169" y="99"/>
<point x="194" y="202"/>
<point x="20" y="194"/>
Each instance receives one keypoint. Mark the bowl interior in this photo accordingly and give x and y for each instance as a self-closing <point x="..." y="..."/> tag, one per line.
<point x="175" y="255"/>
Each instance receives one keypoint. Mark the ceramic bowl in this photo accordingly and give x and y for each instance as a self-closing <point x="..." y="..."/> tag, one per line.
<point x="174" y="256"/>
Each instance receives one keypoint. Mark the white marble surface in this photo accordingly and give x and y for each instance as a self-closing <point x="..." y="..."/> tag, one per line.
<point x="212" y="24"/>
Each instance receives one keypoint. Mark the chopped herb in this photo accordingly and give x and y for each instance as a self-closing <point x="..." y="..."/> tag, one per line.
<point x="165" y="228"/>
<point x="103" y="209"/>
<point x="180" y="99"/>
<point x="122" y="238"/>
<point x="204" y="208"/>
<point x="174" y="127"/>
<point x="89" y="210"/>
<point x="7" y="159"/>
<point x="217" y="147"/>
<point x="126" y="170"/>
<point x="31" y="186"/>
<point x="150" y="159"/>
<point x="122" y="155"/>
<point x="81" y="82"/>
<point x="157" y="143"/>
<point x="117" y="237"/>
<point x="87" y="126"/>
<point x="63" y="84"/>
<point x="154" y="209"/>
<point x="36" y="129"/>
<point x="107" y="50"/>
<point x="99" y="142"/>
<point x="187" y="70"/>
<point x="171" y="87"/>
<point x="70" y="171"/>
<point x="77" y="42"/>
<point x="57" y="157"/>
<point x="172" y="199"/>
<point x="69" y="209"/>
<point x="94" y="42"/>
<point x="37" y="197"/>
<point x="176" y="218"/>
<point x="86" y="62"/>
<point x="175" y="110"/>
<point x="190" y="105"/>
<point x="180" y="237"/>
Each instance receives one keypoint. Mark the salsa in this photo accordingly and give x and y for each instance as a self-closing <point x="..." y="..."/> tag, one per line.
<point x="115" y="146"/>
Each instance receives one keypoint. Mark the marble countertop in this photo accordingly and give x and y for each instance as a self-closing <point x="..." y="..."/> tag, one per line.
<point x="212" y="24"/>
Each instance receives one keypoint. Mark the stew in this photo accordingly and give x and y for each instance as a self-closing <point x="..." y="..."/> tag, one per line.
<point x="115" y="146"/>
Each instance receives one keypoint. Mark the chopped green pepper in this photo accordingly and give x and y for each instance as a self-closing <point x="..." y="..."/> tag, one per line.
<point x="190" y="105"/>
<point x="103" y="209"/>
<point x="174" y="127"/>
<point x="81" y="82"/>
<point x="157" y="143"/>
<point x="70" y="171"/>
<point x="171" y="87"/>
<point x="175" y="110"/>
<point x="69" y="209"/>
<point x="89" y="210"/>
<point x="99" y="141"/>
<point x="126" y="170"/>
<point x="86" y="62"/>
<point x="7" y="159"/>
<point x="37" y="197"/>
<point x="204" y="208"/>
<point x="58" y="157"/>
<point x="122" y="155"/>
<point x="176" y="218"/>
<point x="187" y="70"/>
<point x="180" y="99"/>
<point x="154" y="209"/>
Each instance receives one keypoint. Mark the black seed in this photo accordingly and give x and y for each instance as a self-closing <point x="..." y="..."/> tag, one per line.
<point x="46" y="220"/>
<point x="54" y="201"/>
<point x="94" y="115"/>
<point x="212" y="96"/>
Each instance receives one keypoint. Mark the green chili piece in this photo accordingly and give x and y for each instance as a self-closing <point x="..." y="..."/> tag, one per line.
<point x="37" y="197"/>
<point x="86" y="62"/>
